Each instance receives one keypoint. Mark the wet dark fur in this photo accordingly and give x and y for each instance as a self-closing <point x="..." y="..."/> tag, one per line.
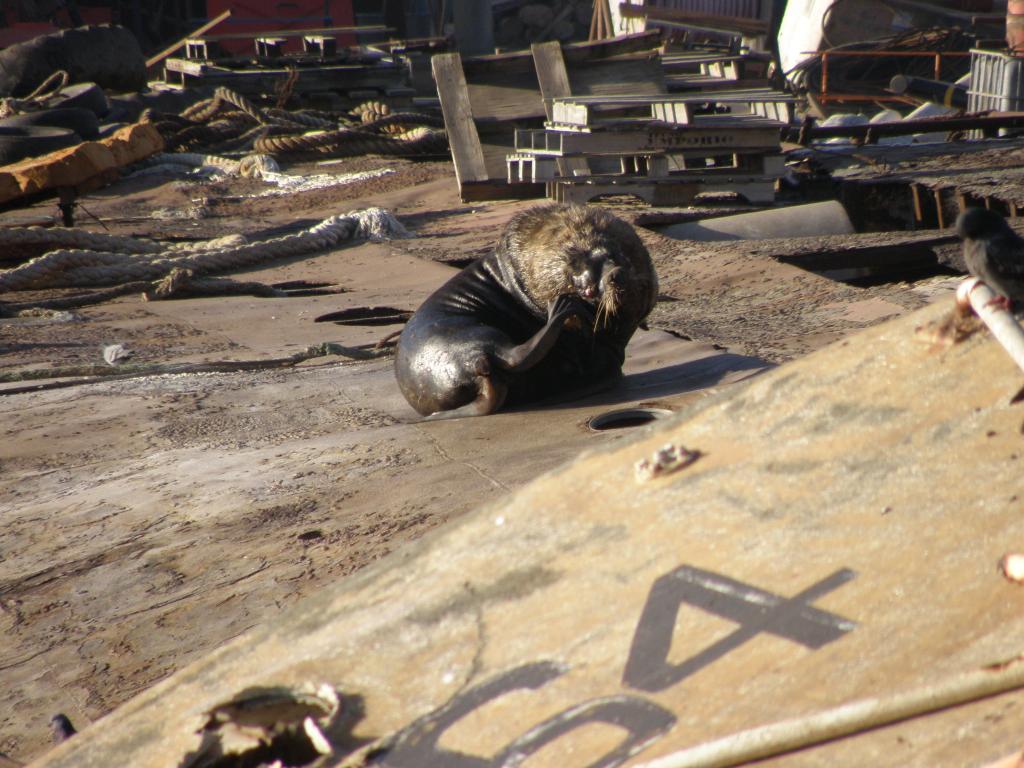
<point x="451" y="349"/>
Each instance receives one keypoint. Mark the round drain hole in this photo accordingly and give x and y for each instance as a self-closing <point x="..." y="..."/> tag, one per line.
<point x="626" y="418"/>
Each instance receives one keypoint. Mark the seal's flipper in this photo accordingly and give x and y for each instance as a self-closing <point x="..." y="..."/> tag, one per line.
<point x="491" y="398"/>
<point x="533" y="350"/>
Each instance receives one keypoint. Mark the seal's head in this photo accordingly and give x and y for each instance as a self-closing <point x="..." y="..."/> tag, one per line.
<point x="561" y="249"/>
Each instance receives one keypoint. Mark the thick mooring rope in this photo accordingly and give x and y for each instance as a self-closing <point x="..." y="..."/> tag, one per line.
<point x="89" y="267"/>
<point x="230" y="122"/>
<point x="347" y="143"/>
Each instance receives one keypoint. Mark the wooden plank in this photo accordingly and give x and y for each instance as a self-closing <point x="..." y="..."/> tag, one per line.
<point x="502" y="96"/>
<point x="367" y="30"/>
<point x="639" y="73"/>
<point x="709" y="139"/>
<point x="574" y="53"/>
<point x="704" y="175"/>
<point x="185" y="67"/>
<point x="458" y="119"/>
<point x="696" y="20"/>
<point x="156" y="59"/>
<point x="551" y="73"/>
<point x="554" y="82"/>
<point x="262" y="81"/>
<point x="747" y="169"/>
<point x="687" y="82"/>
<point x="727" y="96"/>
<point x="661" y="191"/>
<point x="590" y="110"/>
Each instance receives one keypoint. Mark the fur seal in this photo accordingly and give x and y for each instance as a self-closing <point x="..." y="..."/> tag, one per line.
<point x="549" y="310"/>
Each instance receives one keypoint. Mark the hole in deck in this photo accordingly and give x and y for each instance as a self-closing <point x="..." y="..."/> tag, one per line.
<point x="366" y="316"/>
<point x="626" y="418"/>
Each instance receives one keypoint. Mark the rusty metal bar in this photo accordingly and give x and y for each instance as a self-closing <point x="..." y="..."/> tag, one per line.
<point x="937" y="194"/>
<point x="887" y="53"/>
<point x="915" y="193"/>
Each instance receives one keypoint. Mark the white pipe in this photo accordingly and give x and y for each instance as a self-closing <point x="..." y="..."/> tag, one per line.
<point x="857" y="716"/>
<point x="1004" y="326"/>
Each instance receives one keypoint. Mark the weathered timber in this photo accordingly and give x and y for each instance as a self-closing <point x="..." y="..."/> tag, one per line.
<point x="365" y="30"/>
<point x="157" y="58"/>
<point x="668" y="191"/>
<point x="701" y="82"/>
<point x="711" y="136"/>
<point x="554" y="83"/>
<point x="467" y="154"/>
<point x="257" y="82"/>
<point x="696" y="20"/>
<point x="589" y="111"/>
<point x="746" y="168"/>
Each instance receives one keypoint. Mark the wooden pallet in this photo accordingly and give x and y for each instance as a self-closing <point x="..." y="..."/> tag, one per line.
<point x="382" y="77"/>
<point x="707" y="134"/>
<point x="524" y="168"/>
<point x="594" y="112"/>
<point x="731" y="63"/>
<point x="322" y="41"/>
<point x="486" y="98"/>
<point x="700" y="82"/>
<point x="660" y="192"/>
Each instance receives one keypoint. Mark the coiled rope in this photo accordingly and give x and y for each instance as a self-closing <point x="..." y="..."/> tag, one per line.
<point x="115" y="262"/>
<point x="348" y="143"/>
<point x="230" y="122"/>
<point x="47" y="89"/>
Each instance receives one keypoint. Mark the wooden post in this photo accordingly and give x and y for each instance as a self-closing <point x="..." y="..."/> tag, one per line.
<point x="152" y="61"/>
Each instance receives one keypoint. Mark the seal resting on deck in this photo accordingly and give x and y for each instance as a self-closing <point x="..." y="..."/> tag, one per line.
<point x="549" y="311"/>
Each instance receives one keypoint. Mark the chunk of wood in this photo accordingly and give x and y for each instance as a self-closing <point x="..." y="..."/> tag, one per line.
<point x="80" y="166"/>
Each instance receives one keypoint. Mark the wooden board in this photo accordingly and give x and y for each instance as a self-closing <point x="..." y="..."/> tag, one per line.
<point x="710" y="138"/>
<point x="575" y="54"/>
<point x="367" y="30"/>
<point x="538" y="168"/>
<point x="701" y="82"/>
<point x="501" y="95"/>
<point x="696" y="20"/>
<point x="258" y="82"/>
<point x="660" y="191"/>
<point x="458" y="119"/>
<point x="590" y="110"/>
<point x="79" y="166"/>
<point x="554" y="83"/>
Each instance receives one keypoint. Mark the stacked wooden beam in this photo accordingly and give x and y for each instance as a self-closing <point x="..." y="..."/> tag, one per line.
<point x="696" y="70"/>
<point x="321" y="66"/>
<point x="664" y="149"/>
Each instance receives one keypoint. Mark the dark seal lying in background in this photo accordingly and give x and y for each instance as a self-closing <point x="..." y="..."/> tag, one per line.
<point x="549" y="311"/>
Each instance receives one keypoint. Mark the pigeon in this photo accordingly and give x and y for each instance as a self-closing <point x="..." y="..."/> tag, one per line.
<point x="994" y="253"/>
<point x="61" y="728"/>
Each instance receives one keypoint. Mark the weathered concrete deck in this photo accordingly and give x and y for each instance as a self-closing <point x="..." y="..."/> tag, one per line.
<point x="876" y="482"/>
